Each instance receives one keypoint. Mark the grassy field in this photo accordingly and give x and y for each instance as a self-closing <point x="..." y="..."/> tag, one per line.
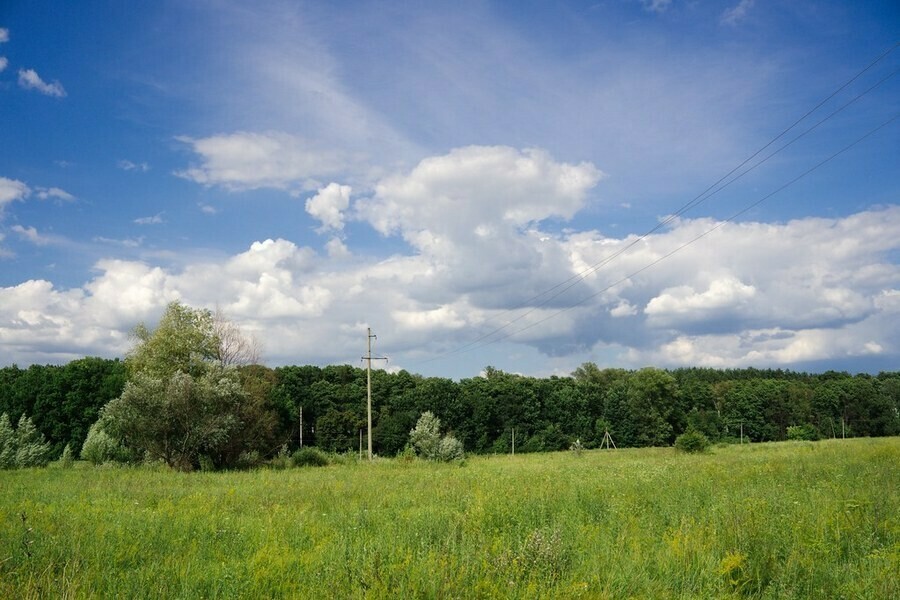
<point x="789" y="520"/>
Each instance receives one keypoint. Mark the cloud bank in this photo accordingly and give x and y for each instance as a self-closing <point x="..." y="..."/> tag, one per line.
<point x="481" y="248"/>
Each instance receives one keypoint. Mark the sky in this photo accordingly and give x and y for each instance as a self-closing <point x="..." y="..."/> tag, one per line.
<point x="529" y="185"/>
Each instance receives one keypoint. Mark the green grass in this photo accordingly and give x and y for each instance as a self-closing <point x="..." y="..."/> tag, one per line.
<point x="789" y="520"/>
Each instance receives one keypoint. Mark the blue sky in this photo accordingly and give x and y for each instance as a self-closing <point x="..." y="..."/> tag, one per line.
<point x="429" y="170"/>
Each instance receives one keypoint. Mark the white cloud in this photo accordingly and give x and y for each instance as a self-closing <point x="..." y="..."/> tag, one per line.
<point x="474" y="215"/>
<point x="125" y="243"/>
<point x="726" y="292"/>
<point x="4" y="35"/>
<point x="737" y="12"/>
<point x="329" y="204"/>
<point x="206" y="209"/>
<point x="4" y="62"/>
<point x="244" y="160"/>
<point x="127" y="165"/>
<point x="30" y="80"/>
<point x="54" y="192"/>
<point x="31" y="234"/>
<point x="477" y="186"/>
<point x="336" y="249"/>
<point x="623" y="309"/>
<point x="154" y="220"/>
<point x="657" y="6"/>
<point x="746" y="294"/>
<point x="11" y="190"/>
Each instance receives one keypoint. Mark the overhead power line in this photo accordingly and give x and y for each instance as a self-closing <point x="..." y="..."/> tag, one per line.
<point x="723" y="182"/>
<point x="697" y="238"/>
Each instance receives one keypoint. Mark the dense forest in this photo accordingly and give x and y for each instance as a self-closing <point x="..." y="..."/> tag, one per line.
<point x="326" y="406"/>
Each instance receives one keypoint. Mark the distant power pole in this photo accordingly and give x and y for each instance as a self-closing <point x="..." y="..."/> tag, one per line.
<point x="369" y="358"/>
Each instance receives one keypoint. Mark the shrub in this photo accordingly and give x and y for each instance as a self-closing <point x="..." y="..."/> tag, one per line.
<point x="309" y="457"/>
<point x="99" y="447"/>
<point x="805" y="432"/>
<point x="426" y="440"/>
<point x="692" y="441"/>
<point x="408" y="454"/>
<point x="450" y="449"/>
<point x="282" y="460"/>
<point x="66" y="460"/>
<point x="577" y="447"/>
<point x="248" y="460"/>
<point x="425" y="437"/>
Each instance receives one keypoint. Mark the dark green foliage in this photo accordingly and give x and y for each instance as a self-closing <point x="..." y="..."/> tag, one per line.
<point x="803" y="432"/>
<point x="63" y="400"/>
<point x="309" y="457"/>
<point x="692" y="442"/>
<point x="648" y="407"/>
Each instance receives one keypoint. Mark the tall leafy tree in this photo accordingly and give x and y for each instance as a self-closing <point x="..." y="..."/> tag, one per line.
<point x="179" y="418"/>
<point x="183" y="399"/>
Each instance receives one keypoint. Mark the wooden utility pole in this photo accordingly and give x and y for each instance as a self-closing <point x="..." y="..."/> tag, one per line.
<point x="301" y="426"/>
<point x="369" y="358"/>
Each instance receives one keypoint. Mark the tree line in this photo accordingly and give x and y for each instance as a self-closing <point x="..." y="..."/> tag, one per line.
<point x="188" y="393"/>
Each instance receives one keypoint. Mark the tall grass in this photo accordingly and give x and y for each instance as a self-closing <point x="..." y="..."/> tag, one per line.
<point x="789" y="520"/>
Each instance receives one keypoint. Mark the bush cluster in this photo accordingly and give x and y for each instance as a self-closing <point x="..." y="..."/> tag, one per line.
<point x="805" y="432"/>
<point x="309" y="457"/>
<point x="427" y="442"/>
<point x="692" y="441"/>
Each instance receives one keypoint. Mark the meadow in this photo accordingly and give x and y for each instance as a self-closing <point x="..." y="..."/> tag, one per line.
<point x="779" y="520"/>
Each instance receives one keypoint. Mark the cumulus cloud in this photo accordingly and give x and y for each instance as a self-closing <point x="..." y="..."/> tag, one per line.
<point x="337" y="249"/>
<point x="4" y="35"/>
<point x="474" y="214"/>
<point x="685" y="302"/>
<point x="11" y="190"/>
<point x="329" y="204"/>
<point x="487" y="186"/>
<point x="245" y="160"/>
<point x="4" y="62"/>
<point x="480" y="256"/>
<point x="30" y="80"/>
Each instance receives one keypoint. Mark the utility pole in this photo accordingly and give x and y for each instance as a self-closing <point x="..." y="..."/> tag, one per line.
<point x="301" y="426"/>
<point x="369" y="358"/>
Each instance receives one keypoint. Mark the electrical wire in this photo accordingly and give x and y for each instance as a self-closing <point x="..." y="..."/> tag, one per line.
<point x="697" y="238"/>
<point x="720" y="184"/>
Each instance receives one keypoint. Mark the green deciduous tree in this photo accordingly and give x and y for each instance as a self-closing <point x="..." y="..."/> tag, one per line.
<point x="185" y="396"/>
<point x="176" y="419"/>
<point x="32" y="449"/>
<point x="184" y="340"/>
<point x="7" y="443"/>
